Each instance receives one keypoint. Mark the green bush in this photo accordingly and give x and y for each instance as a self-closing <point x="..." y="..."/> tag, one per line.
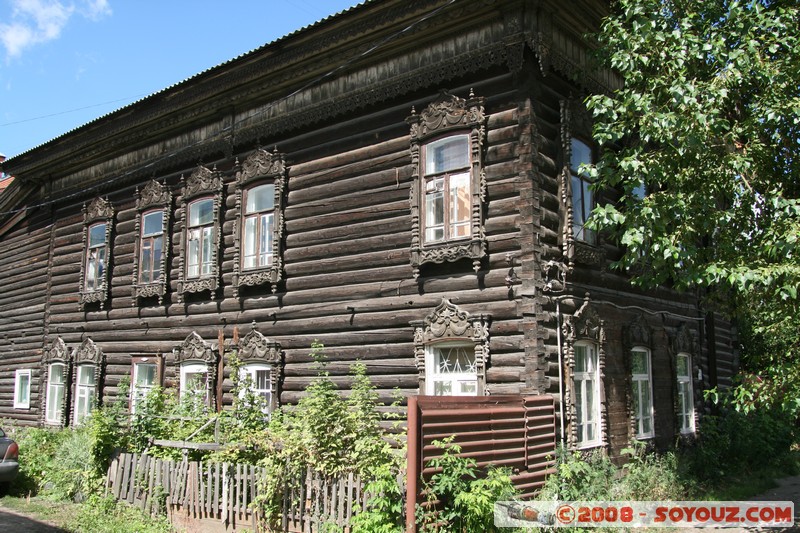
<point x="105" y="514"/>
<point x="37" y="452"/>
<point x="71" y="470"/>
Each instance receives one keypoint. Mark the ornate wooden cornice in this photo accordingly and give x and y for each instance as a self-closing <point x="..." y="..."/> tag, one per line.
<point x="194" y="348"/>
<point x="638" y="333"/>
<point x="255" y="347"/>
<point x="57" y="352"/>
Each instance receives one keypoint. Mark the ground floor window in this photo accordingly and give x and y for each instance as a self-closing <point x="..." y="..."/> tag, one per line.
<point x="145" y="377"/>
<point x="56" y="378"/>
<point x="85" y="392"/>
<point x="685" y="393"/>
<point x="453" y="371"/>
<point x="258" y="379"/>
<point x="194" y="382"/>
<point x="22" y="389"/>
<point x="587" y="394"/>
<point x="641" y="378"/>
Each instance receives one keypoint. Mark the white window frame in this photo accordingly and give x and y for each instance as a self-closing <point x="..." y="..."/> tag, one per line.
<point x="85" y="393"/>
<point x="687" y="413"/>
<point x="446" y="177"/>
<point x="138" y="392"/>
<point x="94" y="274"/>
<point x="455" y="379"/>
<point x="583" y="380"/>
<point x="194" y="368"/>
<point x="641" y="382"/>
<point x="22" y="403"/>
<point x="582" y="195"/>
<point x="148" y="240"/>
<point x="51" y="394"/>
<point x="205" y="239"/>
<point x="250" y="370"/>
<point x="257" y="216"/>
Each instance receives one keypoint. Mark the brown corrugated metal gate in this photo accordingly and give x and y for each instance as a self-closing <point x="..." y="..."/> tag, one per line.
<point x="514" y="431"/>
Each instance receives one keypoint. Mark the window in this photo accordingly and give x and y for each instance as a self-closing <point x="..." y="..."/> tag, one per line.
<point x="22" y="389"/>
<point x="85" y="392"/>
<point x="451" y="350"/>
<point x="448" y="187"/>
<point x="194" y="382"/>
<point x="587" y="394"/>
<point x="685" y="393"/>
<point x="642" y="392"/>
<point x="448" y="195"/>
<point x="582" y="196"/>
<point x="96" y="257"/>
<point x="146" y="375"/>
<point x="200" y="239"/>
<point x="453" y="371"/>
<point x="258" y="227"/>
<point x="151" y="247"/>
<point x="94" y="284"/>
<point x="56" y="381"/>
<point x="258" y="378"/>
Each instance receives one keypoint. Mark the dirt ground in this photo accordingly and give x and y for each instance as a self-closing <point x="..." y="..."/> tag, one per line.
<point x="12" y="521"/>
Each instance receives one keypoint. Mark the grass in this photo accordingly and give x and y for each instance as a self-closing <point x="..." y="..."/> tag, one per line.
<point x="59" y="513"/>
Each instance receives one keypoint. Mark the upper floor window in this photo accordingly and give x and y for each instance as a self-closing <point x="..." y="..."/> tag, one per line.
<point x="449" y="186"/>
<point x="200" y="238"/>
<point x="22" y="389"/>
<point x="152" y="246"/>
<point x="685" y="393"/>
<point x="96" y="257"/>
<point x="582" y="195"/>
<point x="258" y="227"/>
<point x="641" y="379"/>
<point x="448" y="194"/>
<point x="199" y="263"/>
<point x="94" y="282"/>
<point x="586" y="379"/>
<point x="260" y="184"/>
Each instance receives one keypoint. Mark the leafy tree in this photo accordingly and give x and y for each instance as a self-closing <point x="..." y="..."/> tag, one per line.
<point x="708" y="121"/>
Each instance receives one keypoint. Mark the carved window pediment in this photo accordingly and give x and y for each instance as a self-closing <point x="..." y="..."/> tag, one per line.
<point x="194" y="354"/>
<point x="89" y="352"/>
<point x="259" y="355"/>
<point x="89" y="362"/>
<point x="199" y="260"/>
<point x="253" y="266"/>
<point x="58" y="351"/>
<point x="255" y="347"/>
<point x="98" y="218"/>
<point x="448" y="325"/>
<point x="446" y="229"/>
<point x="638" y="333"/>
<point x="153" y="205"/>
<point x="683" y="340"/>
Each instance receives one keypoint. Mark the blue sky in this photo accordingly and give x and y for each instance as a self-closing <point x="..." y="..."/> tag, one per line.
<point x="64" y="63"/>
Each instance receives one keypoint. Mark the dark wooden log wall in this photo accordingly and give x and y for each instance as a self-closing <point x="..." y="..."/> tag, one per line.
<point x="23" y="277"/>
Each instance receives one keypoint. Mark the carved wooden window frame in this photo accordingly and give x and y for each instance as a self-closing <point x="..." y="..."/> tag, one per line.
<point x="144" y="359"/>
<point x="202" y="183"/>
<point x="638" y="335"/>
<point x="683" y="343"/>
<point x="260" y="168"/>
<point x="99" y="211"/>
<point x="448" y="115"/>
<point x="57" y="354"/>
<point x="447" y="323"/>
<point x="152" y="198"/>
<point x="583" y="326"/>
<point x="255" y="350"/>
<point x="196" y="351"/>
<point x="89" y="355"/>
<point x="575" y="124"/>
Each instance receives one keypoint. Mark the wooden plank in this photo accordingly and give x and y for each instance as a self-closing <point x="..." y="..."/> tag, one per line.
<point x="217" y="512"/>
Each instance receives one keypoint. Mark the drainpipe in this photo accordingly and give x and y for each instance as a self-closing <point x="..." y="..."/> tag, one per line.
<point x="560" y="368"/>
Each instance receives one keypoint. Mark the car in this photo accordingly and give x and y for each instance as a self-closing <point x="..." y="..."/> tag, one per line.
<point x="9" y="452"/>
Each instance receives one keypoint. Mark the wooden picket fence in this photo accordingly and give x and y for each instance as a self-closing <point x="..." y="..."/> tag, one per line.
<point x="195" y="494"/>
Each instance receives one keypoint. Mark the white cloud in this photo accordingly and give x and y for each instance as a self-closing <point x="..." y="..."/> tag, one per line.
<point x="39" y="21"/>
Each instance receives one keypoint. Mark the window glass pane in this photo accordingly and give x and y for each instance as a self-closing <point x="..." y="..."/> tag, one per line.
<point x="434" y="211"/>
<point x="639" y="362"/>
<point x="265" y="243"/>
<point x="157" y="245"/>
<point x="683" y="366"/>
<point x="581" y="154"/>
<point x="442" y="388"/>
<point x="201" y="212"/>
<point x="260" y="198"/>
<point x="145" y="374"/>
<point x="23" y="391"/>
<point x="207" y="238"/>
<point x="152" y="223"/>
<point x="261" y="380"/>
<point x="581" y="364"/>
<point x="250" y="242"/>
<point x="460" y="205"/>
<point x="86" y="375"/>
<point x="446" y="154"/>
<point x="56" y="373"/>
<point x="97" y="235"/>
<point x="193" y="254"/>
<point x="147" y="261"/>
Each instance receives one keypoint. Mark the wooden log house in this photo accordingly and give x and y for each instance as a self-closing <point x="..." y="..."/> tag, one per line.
<point x="399" y="182"/>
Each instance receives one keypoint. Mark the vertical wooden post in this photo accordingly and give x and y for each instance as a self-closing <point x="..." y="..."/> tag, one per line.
<point x="220" y="368"/>
<point x="413" y="468"/>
